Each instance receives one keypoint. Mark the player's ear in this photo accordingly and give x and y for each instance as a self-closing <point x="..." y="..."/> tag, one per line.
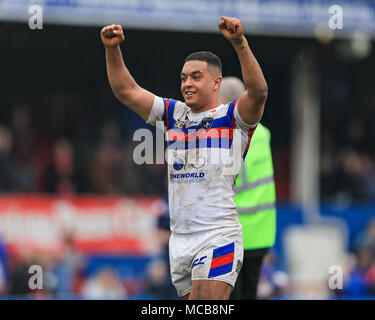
<point x="217" y="82"/>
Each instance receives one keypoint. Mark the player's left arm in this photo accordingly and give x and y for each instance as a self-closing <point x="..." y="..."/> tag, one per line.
<point x="251" y="102"/>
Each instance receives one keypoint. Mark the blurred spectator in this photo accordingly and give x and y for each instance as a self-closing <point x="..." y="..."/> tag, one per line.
<point x="47" y="262"/>
<point x="3" y="268"/>
<point x="23" y="132"/>
<point x="129" y="173"/>
<point x="357" y="284"/>
<point x="154" y="174"/>
<point x="110" y="133"/>
<point x="357" y="171"/>
<point x="104" y="170"/>
<point x="23" y="150"/>
<point x="159" y="286"/>
<point x="273" y="282"/>
<point x="60" y="177"/>
<point x="348" y="175"/>
<point x="164" y="233"/>
<point x="19" y="274"/>
<point x="370" y="278"/>
<point x="105" y="284"/>
<point x="366" y="239"/>
<point x="3" y="279"/>
<point x="68" y="265"/>
<point x="6" y="141"/>
<point x="359" y="269"/>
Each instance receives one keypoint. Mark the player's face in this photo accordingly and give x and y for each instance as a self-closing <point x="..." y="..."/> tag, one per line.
<point x="198" y="85"/>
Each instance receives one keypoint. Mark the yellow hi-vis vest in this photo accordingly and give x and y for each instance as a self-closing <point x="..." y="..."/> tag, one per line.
<point x="255" y="193"/>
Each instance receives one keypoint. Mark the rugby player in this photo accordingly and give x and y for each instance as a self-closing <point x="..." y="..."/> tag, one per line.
<point x="206" y="244"/>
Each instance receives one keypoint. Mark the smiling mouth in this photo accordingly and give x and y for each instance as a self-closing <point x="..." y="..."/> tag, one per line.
<point x="189" y="94"/>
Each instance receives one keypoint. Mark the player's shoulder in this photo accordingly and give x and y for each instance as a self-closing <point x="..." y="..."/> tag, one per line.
<point x="174" y="102"/>
<point x="231" y="106"/>
<point x="219" y="111"/>
<point x="180" y="106"/>
<point x="174" y="107"/>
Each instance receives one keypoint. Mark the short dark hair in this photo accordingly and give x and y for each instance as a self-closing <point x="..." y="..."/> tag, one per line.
<point x="211" y="58"/>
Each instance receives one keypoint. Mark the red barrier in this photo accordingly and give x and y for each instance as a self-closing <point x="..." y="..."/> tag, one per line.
<point x="104" y="224"/>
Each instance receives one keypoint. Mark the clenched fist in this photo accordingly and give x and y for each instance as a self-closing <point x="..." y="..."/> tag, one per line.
<point x="231" y="29"/>
<point x="112" y="35"/>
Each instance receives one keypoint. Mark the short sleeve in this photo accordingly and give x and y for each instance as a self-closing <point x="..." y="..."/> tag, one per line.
<point x="241" y="123"/>
<point x="157" y="111"/>
<point x="247" y="130"/>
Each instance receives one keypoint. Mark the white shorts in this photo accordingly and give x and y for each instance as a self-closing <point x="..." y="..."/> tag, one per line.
<point x="208" y="255"/>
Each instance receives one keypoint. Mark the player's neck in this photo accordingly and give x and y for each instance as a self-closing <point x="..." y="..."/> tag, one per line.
<point x="212" y="105"/>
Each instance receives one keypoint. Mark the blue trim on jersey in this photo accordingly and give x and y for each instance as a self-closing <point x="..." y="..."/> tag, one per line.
<point x="218" y="271"/>
<point x="248" y="146"/>
<point x="222" y="143"/>
<point x="219" y="252"/>
<point x="171" y="106"/>
<point x="230" y="109"/>
<point x="222" y="251"/>
<point x="244" y="154"/>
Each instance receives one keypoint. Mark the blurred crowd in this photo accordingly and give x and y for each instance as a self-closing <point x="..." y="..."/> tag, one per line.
<point x="347" y="169"/>
<point x="358" y="272"/>
<point x="67" y="275"/>
<point x="68" y="145"/>
<point x="359" y="269"/>
<point x="69" y="148"/>
<point x="71" y="274"/>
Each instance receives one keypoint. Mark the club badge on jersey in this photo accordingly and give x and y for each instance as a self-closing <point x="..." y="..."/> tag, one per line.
<point x="206" y="123"/>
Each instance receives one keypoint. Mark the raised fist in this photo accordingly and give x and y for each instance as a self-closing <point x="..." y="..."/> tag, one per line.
<point x="112" y="35"/>
<point x="231" y="29"/>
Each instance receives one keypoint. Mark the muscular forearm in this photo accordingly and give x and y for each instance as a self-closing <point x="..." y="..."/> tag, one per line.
<point x="124" y="87"/>
<point x="251" y="72"/>
<point x="119" y="76"/>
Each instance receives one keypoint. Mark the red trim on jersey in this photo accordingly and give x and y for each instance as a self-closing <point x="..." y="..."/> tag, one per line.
<point x="234" y="107"/>
<point x="166" y="112"/>
<point x="249" y="136"/>
<point x="224" y="132"/>
<point x="220" y="261"/>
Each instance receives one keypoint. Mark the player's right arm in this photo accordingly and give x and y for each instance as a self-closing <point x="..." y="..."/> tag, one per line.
<point x="123" y="85"/>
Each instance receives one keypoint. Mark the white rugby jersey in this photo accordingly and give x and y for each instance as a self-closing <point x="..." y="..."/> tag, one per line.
<point x="201" y="183"/>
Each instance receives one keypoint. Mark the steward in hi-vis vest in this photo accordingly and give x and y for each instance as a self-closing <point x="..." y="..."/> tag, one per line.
<point x="255" y="193"/>
<point x="255" y="201"/>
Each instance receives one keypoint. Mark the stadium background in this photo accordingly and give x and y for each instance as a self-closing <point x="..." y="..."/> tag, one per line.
<point x="74" y="202"/>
